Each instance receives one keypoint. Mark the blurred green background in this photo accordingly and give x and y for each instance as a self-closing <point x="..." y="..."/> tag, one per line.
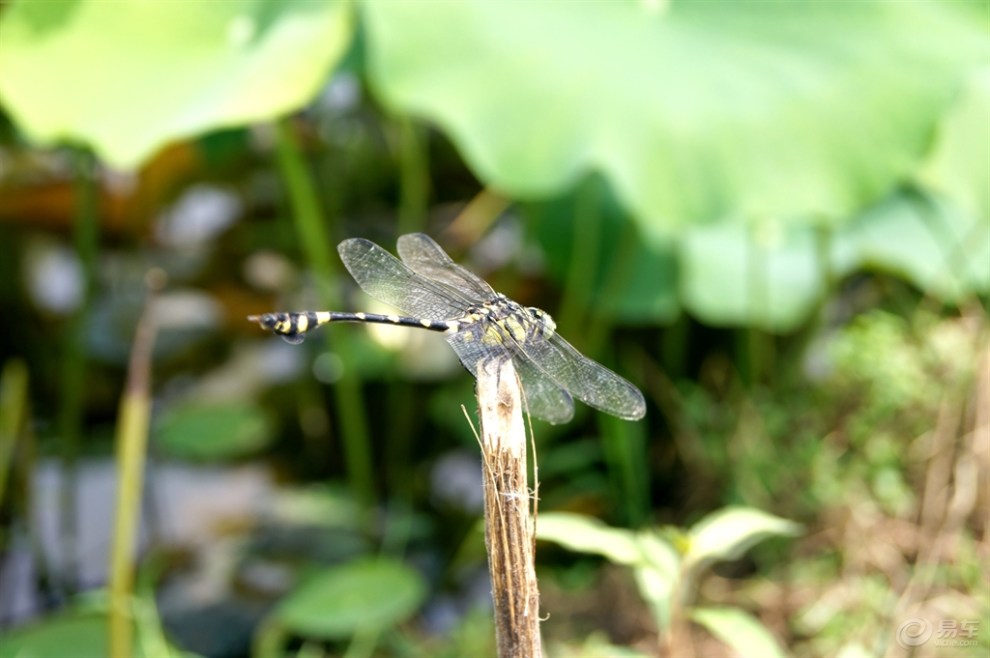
<point x="772" y="216"/>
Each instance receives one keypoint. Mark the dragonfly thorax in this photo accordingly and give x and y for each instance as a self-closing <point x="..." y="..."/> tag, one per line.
<point x="503" y="317"/>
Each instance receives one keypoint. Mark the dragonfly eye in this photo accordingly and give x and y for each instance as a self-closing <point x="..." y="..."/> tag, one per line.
<point x="267" y="321"/>
<point x="543" y="318"/>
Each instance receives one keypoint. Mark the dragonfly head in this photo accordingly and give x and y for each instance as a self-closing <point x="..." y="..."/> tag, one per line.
<point x="285" y="325"/>
<point x="543" y="319"/>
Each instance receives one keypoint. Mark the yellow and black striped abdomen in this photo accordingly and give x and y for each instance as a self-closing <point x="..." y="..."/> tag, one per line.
<point x="293" y="327"/>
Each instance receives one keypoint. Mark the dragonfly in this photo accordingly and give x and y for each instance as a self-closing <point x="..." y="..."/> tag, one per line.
<point x="437" y="294"/>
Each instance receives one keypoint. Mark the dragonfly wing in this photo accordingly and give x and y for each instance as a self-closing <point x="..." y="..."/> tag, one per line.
<point x="426" y="258"/>
<point x="384" y="277"/>
<point x="544" y="398"/>
<point x="587" y="380"/>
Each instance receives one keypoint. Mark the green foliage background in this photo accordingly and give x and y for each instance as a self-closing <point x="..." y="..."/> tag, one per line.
<point x="773" y="216"/>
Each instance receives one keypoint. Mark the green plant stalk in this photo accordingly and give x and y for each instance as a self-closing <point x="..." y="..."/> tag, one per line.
<point x="623" y="444"/>
<point x="586" y="235"/>
<point x="414" y="177"/>
<point x="759" y="346"/>
<point x="363" y="644"/>
<point x="13" y="412"/>
<point x="675" y="342"/>
<point x="616" y="279"/>
<point x="132" y="441"/>
<point x="398" y="462"/>
<point x="85" y="235"/>
<point x="269" y="639"/>
<point x="315" y="241"/>
<point x="800" y="343"/>
<point x="151" y="635"/>
<point x="151" y="639"/>
<point x="414" y="191"/>
<point x="677" y="636"/>
<point x="306" y="212"/>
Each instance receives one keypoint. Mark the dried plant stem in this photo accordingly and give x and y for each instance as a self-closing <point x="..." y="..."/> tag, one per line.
<point x="508" y="529"/>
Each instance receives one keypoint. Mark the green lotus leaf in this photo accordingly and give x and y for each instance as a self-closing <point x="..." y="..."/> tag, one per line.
<point x="128" y="76"/>
<point x="693" y="111"/>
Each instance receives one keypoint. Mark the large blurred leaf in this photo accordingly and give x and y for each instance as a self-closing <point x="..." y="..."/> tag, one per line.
<point x="127" y="76"/>
<point x="365" y="595"/>
<point x="958" y="167"/>
<point x="692" y="110"/>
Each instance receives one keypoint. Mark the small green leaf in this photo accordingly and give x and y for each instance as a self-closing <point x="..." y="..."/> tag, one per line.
<point x="201" y="432"/>
<point x="364" y="595"/>
<point x="589" y="535"/>
<point x="127" y="76"/>
<point x="655" y="562"/>
<point x="741" y="631"/>
<point x="730" y="532"/>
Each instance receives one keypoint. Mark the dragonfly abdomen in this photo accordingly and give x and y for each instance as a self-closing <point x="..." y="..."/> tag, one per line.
<point x="294" y="326"/>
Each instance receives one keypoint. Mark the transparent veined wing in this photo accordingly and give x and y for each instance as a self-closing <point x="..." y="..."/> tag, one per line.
<point x="587" y="380"/>
<point x="426" y="258"/>
<point x="384" y="277"/>
<point x="544" y="398"/>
